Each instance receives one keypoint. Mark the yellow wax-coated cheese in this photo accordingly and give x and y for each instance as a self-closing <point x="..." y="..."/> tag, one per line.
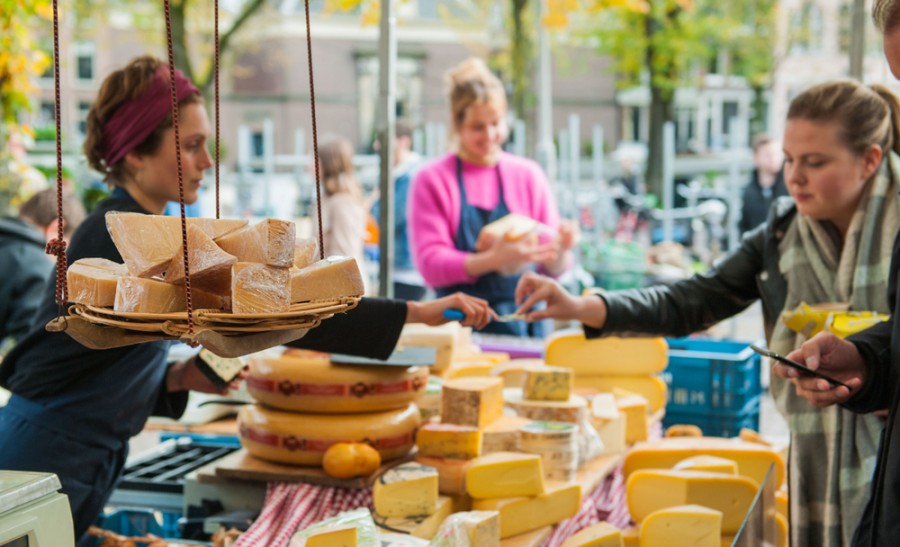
<point x="524" y="514"/>
<point x="753" y="459"/>
<point x="548" y="384"/>
<point x="257" y="288"/>
<point x="306" y="381"/>
<point x="635" y="409"/>
<point x="602" y="534"/>
<point x="781" y="527"/>
<point x="573" y="410"/>
<point x="653" y="388"/>
<point x="682" y="526"/>
<point x="329" y="279"/>
<point x="631" y="536"/>
<point x="650" y="490"/>
<point x="466" y="369"/>
<point x="140" y="295"/>
<point x="210" y="266"/>
<point x="475" y="401"/>
<point x="148" y="243"/>
<point x="503" y="434"/>
<point x="302" y="438"/>
<point x="449" y="441"/>
<point x="333" y="537"/>
<point x="683" y="430"/>
<point x="713" y="464"/>
<point x="609" y="423"/>
<point x="407" y="490"/>
<point x="306" y="251"/>
<point x="781" y="502"/>
<point x="451" y="473"/>
<point x="505" y="475"/>
<point x="752" y="436"/>
<point x="93" y="281"/>
<point x="269" y="241"/>
<point x="420" y="526"/>
<point x="608" y="356"/>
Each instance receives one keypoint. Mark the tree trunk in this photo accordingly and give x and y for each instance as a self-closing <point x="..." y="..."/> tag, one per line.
<point x="758" y="121"/>
<point x="179" y="38"/>
<point x="520" y="52"/>
<point x="660" y="113"/>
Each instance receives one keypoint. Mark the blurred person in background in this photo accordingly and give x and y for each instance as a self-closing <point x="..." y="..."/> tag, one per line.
<point x="766" y="183"/>
<point x="408" y="282"/>
<point x="456" y="195"/>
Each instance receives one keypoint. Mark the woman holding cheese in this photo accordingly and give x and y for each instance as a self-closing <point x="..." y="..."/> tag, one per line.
<point x="455" y="196"/>
<point x="831" y="243"/>
<point x="73" y="409"/>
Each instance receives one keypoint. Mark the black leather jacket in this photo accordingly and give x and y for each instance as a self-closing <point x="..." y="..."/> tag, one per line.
<point x="748" y="273"/>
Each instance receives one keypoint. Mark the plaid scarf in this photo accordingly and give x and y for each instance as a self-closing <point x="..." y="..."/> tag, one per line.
<point x="833" y="451"/>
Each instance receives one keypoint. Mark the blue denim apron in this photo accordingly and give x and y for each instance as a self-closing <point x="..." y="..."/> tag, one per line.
<point x="499" y="290"/>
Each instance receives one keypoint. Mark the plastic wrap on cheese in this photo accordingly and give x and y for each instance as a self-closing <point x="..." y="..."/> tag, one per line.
<point x="210" y="266"/>
<point x="257" y="288"/>
<point x="334" y="277"/>
<point x="270" y="242"/>
<point x="141" y="295"/>
<point x="306" y="251"/>
<point x="92" y="281"/>
<point x="148" y="243"/>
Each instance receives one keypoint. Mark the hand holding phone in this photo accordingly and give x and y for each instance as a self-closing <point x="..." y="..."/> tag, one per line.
<point x="795" y="365"/>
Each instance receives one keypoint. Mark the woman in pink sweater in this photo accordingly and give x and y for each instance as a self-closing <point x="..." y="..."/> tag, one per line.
<point x="456" y="195"/>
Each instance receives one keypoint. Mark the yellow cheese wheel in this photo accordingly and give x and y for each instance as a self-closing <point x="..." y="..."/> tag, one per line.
<point x="609" y="356"/>
<point x="306" y="381"/>
<point x="302" y="439"/>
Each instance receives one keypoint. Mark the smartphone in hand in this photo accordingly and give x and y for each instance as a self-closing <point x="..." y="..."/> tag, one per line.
<point x="795" y="365"/>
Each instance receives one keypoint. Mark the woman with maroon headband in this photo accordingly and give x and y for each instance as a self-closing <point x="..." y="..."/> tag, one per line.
<point x="73" y="409"/>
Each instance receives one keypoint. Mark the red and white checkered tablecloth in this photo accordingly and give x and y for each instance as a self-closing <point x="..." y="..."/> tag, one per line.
<point x="294" y="506"/>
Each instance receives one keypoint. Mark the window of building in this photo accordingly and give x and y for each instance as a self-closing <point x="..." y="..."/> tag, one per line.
<point x="85" y="58"/>
<point x="81" y="120"/>
<point x="408" y="98"/>
<point x="46" y="115"/>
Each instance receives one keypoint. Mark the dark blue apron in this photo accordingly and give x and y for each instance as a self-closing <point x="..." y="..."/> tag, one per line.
<point x="498" y="290"/>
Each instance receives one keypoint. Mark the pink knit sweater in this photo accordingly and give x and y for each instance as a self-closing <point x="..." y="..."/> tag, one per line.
<point x="434" y="209"/>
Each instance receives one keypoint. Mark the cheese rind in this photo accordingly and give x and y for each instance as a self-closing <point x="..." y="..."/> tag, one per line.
<point x="682" y="526"/>
<point x="504" y="475"/>
<point x="408" y="490"/>
<point x="475" y="401"/>
<point x="210" y="266"/>
<point x="257" y="288"/>
<point x="524" y="514"/>
<point x="334" y="277"/>
<point x="93" y="281"/>
<point x="608" y="356"/>
<point x="713" y="464"/>
<point x="548" y="384"/>
<point x="449" y="441"/>
<point x="602" y="534"/>
<point x="650" y="490"/>
<point x="269" y="242"/>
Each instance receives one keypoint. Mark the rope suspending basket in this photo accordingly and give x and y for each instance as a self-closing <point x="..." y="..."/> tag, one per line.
<point x="236" y="269"/>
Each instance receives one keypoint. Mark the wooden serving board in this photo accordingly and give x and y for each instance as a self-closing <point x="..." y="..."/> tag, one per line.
<point x="242" y="465"/>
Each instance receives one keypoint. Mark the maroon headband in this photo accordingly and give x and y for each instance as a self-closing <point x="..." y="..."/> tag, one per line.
<point x="137" y="118"/>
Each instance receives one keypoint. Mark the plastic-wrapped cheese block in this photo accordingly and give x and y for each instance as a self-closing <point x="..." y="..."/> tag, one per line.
<point x="210" y="266"/>
<point x="753" y="459"/>
<point x="92" y="281"/>
<point x="609" y="356"/>
<point x="306" y="381"/>
<point x="140" y="295"/>
<point x="302" y="438"/>
<point x="334" y="277"/>
<point x="306" y="251"/>
<point x="475" y="401"/>
<point x="257" y="288"/>
<point x="650" y="490"/>
<point x="524" y="514"/>
<point x="472" y="528"/>
<point x="269" y="241"/>
<point x="148" y="243"/>
<point x="682" y="526"/>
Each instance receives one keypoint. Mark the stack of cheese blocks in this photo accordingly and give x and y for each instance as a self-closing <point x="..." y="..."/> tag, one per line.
<point x="697" y="491"/>
<point x="306" y="404"/>
<point x="255" y="269"/>
<point x="626" y="367"/>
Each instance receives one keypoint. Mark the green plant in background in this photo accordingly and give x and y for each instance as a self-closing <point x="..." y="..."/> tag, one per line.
<point x="45" y="134"/>
<point x="92" y="196"/>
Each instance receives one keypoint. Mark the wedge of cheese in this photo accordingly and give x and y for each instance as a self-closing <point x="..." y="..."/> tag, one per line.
<point x="609" y="356"/>
<point x="476" y="401"/>
<point x="482" y="529"/>
<point x="334" y="537"/>
<point x="420" y="526"/>
<point x="504" y="475"/>
<point x="602" y="534"/>
<point x="269" y="242"/>
<point x="148" y="243"/>
<point x="653" y="388"/>
<point x="682" y="526"/>
<point x="524" y="514"/>
<point x="93" y="281"/>
<point x="451" y="473"/>
<point x="650" y="490"/>
<point x="334" y="277"/>
<point x="609" y="423"/>
<point x="257" y="288"/>
<point x="548" y="384"/>
<point x="210" y="266"/>
<point x="306" y="251"/>
<point x="408" y="490"/>
<point x="449" y="441"/>
<point x="635" y="409"/>
<point x="447" y="339"/>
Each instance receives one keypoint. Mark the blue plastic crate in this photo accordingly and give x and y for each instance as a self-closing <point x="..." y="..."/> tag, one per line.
<point x="140" y="522"/>
<point x="711" y="377"/>
<point x="718" y="424"/>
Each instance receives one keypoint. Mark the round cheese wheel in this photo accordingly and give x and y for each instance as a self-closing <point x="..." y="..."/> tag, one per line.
<point x="302" y="439"/>
<point x="572" y="411"/>
<point x="306" y="381"/>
